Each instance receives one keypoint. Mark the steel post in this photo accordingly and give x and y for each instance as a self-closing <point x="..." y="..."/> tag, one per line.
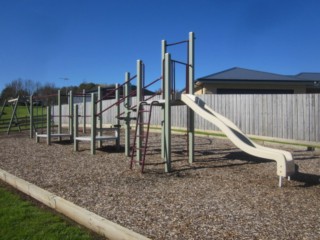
<point x="167" y="113"/>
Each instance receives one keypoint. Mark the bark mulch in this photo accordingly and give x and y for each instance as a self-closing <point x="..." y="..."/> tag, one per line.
<point x="224" y="194"/>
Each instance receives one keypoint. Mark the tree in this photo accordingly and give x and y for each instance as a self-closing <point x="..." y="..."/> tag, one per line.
<point x="87" y="86"/>
<point x="31" y="86"/>
<point x="45" y="92"/>
<point x="14" y="89"/>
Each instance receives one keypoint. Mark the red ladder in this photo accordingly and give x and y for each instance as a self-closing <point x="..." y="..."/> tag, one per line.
<point x="140" y="123"/>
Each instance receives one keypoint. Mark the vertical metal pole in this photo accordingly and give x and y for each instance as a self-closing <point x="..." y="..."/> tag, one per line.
<point x="76" y="128"/>
<point x="31" y="116"/>
<point x="167" y="114"/>
<point x="93" y="124"/>
<point x="70" y="114"/>
<point x="190" y="112"/>
<point x="127" y="105"/>
<point x="48" y="125"/>
<point x="84" y="117"/>
<point x="163" y="52"/>
<point x="139" y="100"/>
<point x="117" y="114"/>
<point x="99" y="118"/>
<point x="59" y="114"/>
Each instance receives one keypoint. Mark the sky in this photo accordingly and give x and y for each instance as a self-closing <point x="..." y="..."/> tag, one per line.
<point x="68" y="42"/>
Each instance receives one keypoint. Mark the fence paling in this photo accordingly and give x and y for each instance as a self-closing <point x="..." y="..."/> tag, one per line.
<point x="295" y="116"/>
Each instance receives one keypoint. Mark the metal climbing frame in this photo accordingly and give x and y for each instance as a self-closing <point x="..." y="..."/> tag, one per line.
<point x="49" y="119"/>
<point x="168" y="87"/>
<point x="143" y="134"/>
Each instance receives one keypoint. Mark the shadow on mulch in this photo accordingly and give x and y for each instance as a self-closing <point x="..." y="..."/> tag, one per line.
<point x="63" y="142"/>
<point x="111" y="149"/>
<point x="246" y="157"/>
<point x="309" y="180"/>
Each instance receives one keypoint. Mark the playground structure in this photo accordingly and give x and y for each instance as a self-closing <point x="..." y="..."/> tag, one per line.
<point x="50" y="123"/>
<point x="96" y="133"/>
<point x="143" y="112"/>
<point x="284" y="159"/>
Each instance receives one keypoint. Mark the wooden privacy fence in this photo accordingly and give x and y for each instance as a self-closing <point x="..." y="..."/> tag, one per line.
<point x="287" y="116"/>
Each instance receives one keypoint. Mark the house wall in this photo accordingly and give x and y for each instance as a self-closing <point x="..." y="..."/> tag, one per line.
<point x="207" y="88"/>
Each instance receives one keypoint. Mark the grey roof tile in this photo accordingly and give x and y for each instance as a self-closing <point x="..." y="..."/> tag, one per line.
<point x="242" y="74"/>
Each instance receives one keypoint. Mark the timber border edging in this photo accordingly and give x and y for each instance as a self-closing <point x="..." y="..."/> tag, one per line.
<point x="78" y="214"/>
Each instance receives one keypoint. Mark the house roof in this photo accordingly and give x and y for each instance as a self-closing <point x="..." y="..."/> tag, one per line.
<point x="308" y="76"/>
<point x="242" y="74"/>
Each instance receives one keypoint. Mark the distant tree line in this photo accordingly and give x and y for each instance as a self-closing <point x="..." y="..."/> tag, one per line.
<point x="26" y="88"/>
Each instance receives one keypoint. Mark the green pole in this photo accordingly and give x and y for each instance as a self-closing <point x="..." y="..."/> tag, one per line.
<point x="93" y="124"/>
<point x="163" y="52"/>
<point x="48" y="125"/>
<point x="190" y="112"/>
<point x="70" y="114"/>
<point x="76" y="128"/>
<point x="167" y="113"/>
<point x="127" y="106"/>
<point x="139" y="100"/>
<point x="84" y="101"/>
<point x="31" y="116"/>
<point x="117" y="114"/>
<point x="59" y="114"/>
<point x="99" y="118"/>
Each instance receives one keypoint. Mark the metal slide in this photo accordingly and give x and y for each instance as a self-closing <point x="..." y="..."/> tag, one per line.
<point x="284" y="160"/>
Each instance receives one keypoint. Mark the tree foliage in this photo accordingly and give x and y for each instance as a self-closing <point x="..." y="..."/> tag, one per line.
<point x="28" y="87"/>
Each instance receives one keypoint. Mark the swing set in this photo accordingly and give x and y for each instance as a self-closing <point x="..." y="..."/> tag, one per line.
<point x="20" y="113"/>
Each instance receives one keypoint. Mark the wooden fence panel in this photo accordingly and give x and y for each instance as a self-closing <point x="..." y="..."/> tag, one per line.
<point x="288" y="116"/>
<point x="317" y="117"/>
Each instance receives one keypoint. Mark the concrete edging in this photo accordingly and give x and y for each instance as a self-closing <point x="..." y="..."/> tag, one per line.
<point x="78" y="214"/>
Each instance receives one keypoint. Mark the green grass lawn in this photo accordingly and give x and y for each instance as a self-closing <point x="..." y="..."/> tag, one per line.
<point x="22" y="113"/>
<point x="23" y="219"/>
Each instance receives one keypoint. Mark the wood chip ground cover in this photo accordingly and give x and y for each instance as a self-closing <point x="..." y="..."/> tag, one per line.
<point x="225" y="194"/>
